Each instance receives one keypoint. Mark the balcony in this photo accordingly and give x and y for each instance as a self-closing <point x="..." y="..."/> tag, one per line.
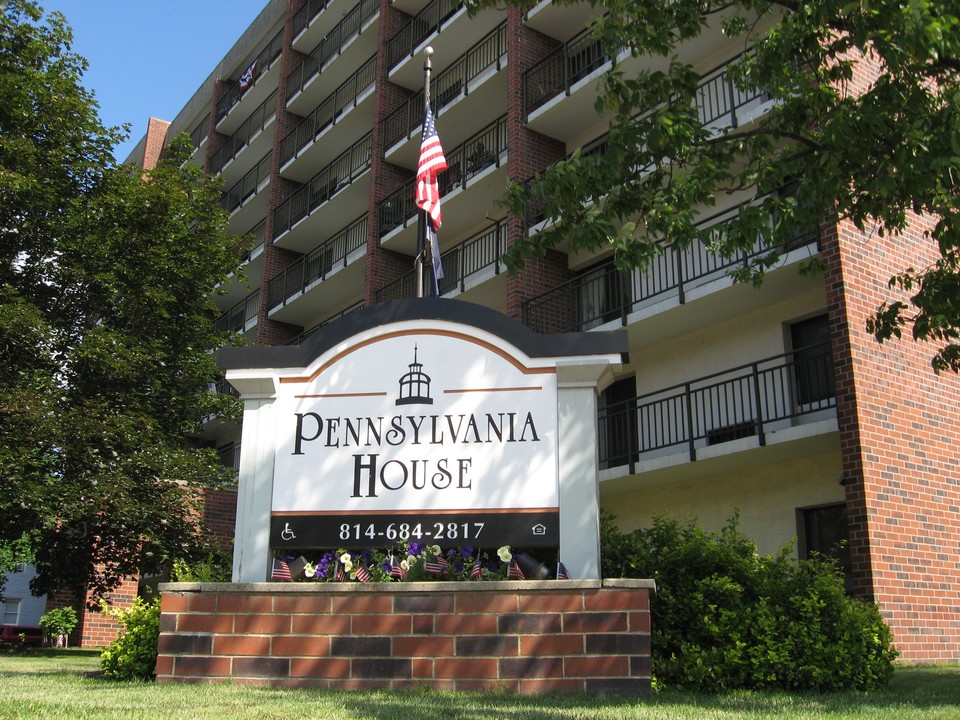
<point x="319" y="266"/>
<point x="471" y="74"/>
<point x="775" y="400"/>
<point x="605" y="294"/>
<point x="242" y="317"/>
<point x="302" y="140"/>
<point x="246" y="199"/>
<point x="308" y="18"/>
<point x="478" y="165"/>
<point x="233" y="289"/>
<point x="349" y="36"/>
<point x="249" y="132"/>
<point x="308" y="212"/>
<point x="564" y="85"/>
<point x="466" y="266"/>
<point x="336" y="316"/>
<point x="198" y="138"/>
<point x="249" y="91"/>
<point x="444" y="25"/>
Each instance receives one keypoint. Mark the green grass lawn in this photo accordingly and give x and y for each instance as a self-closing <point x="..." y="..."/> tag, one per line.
<point x="64" y="684"/>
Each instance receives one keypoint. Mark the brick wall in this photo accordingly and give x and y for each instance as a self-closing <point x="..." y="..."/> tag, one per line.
<point x="900" y="440"/>
<point x="527" y="637"/>
<point x="530" y="152"/>
<point x="155" y="137"/>
<point x="220" y="515"/>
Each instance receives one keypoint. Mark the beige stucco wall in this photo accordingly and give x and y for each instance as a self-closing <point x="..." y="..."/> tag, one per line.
<point x="766" y="496"/>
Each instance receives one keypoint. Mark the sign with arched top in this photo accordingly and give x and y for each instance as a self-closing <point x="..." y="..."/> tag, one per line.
<point x="431" y="421"/>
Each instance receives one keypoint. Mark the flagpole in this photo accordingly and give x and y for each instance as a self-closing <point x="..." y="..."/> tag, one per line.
<point x="422" y="215"/>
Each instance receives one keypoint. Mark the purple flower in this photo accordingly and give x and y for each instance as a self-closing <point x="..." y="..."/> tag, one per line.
<point x="458" y="566"/>
<point x="466" y="551"/>
<point x="415" y="548"/>
<point x="386" y="566"/>
<point x="451" y="552"/>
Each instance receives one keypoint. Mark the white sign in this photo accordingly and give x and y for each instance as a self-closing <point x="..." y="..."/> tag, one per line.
<point x="417" y="420"/>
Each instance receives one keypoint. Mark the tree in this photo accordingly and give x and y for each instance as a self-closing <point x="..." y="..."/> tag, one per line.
<point x="106" y="333"/>
<point x="866" y="110"/>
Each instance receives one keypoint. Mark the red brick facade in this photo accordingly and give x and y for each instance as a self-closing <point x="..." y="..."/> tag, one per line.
<point x="900" y="434"/>
<point x="527" y="637"/>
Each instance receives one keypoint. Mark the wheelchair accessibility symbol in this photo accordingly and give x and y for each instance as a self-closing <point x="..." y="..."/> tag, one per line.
<point x="287" y="533"/>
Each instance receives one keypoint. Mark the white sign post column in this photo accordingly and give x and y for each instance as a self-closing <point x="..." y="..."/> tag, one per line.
<point x="251" y="556"/>
<point x="578" y="384"/>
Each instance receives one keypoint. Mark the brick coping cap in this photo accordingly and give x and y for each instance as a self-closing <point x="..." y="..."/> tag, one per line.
<point x="308" y="588"/>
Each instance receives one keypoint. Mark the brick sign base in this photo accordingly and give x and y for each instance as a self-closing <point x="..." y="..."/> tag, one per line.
<point x="518" y="636"/>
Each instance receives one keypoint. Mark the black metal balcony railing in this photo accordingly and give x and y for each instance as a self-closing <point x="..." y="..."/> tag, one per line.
<point x="258" y="237"/>
<point x="746" y="401"/>
<point x="447" y="86"/>
<point x="328" y="111"/>
<point x="305" y="15"/>
<point x="561" y="69"/>
<point x="229" y="455"/>
<point x="318" y="264"/>
<point x="236" y="318"/>
<point x="307" y="333"/>
<point x="225" y="387"/>
<point x="332" y="44"/>
<point x="606" y="294"/>
<point x="425" y="23"/>
<point x="260" y="65"/>
<point x="324" y="185"/>
<point x="248" y="185"/>
<point x="483" y="150"/>
<point x="258" y="121"/>
<point x="199" y="133"/>
<point x="480" y="252"/>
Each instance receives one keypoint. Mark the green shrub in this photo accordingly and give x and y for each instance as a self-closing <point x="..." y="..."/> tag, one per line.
<point x="726" y="617"/>
<point x="133" y="655"/>
<point x="217" y="566"/>
<point x="57" y="625"/>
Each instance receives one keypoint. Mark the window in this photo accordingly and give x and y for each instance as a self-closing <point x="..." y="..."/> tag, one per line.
<point x="11" y="612"/>
<point x="813" y="365"/>
<point x="618" y="424"/>
<point x="824" y="531"/>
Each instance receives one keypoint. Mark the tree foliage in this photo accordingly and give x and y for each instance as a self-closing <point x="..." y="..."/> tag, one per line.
<point x="106" y="278"/>
<point x="865" y="122"/>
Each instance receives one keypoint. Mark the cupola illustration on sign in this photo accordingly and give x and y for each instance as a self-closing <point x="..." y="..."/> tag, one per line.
<point x="415" y="385"/>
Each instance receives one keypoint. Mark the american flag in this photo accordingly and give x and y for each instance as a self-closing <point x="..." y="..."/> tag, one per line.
<point x="476" y="572"/>
<point x="437" y="566"/>
<point x="431" y="163"/>
<point x="246" y="80"/>
<point x="514" y="572"/>
<point x="397" y="570"/>
<point x="339" y="574"/>
<point x="363" y="574"/>
<point x="280" y="571"/>
<point x="562" y="573"/>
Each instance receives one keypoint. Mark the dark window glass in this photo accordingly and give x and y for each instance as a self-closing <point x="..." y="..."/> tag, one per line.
<point x="813" y="369"/>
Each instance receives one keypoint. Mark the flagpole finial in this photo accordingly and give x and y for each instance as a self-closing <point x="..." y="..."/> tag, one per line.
<point x="428" y="50"/>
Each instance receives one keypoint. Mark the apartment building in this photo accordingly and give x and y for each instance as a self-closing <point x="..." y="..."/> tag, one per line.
<point x="771" y="403"/>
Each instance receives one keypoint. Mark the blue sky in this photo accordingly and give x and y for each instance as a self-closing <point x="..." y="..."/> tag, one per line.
<point x="144" y="64"/>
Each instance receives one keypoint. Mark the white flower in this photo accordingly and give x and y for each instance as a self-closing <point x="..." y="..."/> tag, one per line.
<point x="411" y="559"/>
<point x="309" y="570"/>
<point x="405" y="564"/>
<point x="504" y="554"/>
<point x="345" y="558"/>
<point x="347" y="564"/>
<point x="434" y="550"/>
